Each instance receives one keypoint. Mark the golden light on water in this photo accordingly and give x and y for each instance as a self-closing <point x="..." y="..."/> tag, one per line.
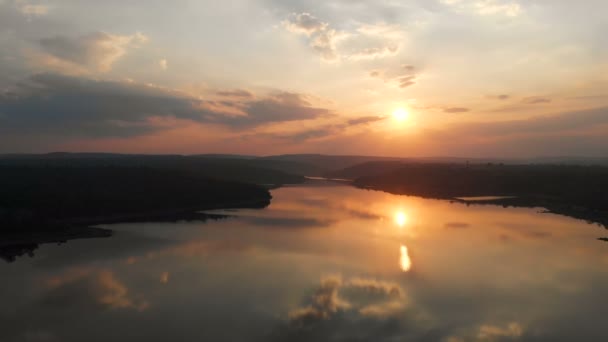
<point x="405" y="261"/>
<point x="400" y="218"/>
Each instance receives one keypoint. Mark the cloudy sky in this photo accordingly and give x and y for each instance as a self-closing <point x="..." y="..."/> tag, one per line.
<point x="500" y="78"/>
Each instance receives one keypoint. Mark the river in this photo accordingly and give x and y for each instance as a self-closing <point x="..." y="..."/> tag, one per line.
<point x="324" y="262"/>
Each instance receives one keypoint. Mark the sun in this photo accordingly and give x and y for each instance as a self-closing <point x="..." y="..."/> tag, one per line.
<point x="401" y="114"/>
<point x="400" y="218"/>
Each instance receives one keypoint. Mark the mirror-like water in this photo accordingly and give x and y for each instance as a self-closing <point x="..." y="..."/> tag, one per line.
<point x="323" y="263"/>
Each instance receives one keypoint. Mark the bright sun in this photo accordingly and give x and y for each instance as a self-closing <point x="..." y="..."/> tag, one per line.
<point x="400" y="114"/>
<point x="400" y="218"/>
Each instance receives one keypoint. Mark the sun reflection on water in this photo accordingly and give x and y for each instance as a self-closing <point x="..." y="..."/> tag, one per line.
<point x="405" y="261"/>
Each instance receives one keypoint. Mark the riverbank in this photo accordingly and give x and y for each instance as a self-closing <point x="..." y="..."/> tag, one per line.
<point x="573" y="191"/>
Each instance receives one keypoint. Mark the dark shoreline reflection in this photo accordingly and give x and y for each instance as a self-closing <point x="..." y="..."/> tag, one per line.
<point x="409" y="269"/>
<point x="15" y="245"/>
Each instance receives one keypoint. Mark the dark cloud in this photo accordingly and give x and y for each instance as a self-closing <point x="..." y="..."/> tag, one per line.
<point x="406" y="81"/>
<point x="404" y="75"/>
<point x="55" y="105"/>
<point x="503" y="97"/>
<point x="365" y="120"/>
<point x="239" y="93"/>
<point x="456" y="110"/>
<point x="535" y="100"/>
<point x="320" y="131"/>
<point x="280" y="107"/>
<point x="457" y="225"/>
<point x="313" y="133"/>
<point x="98" y="49"/>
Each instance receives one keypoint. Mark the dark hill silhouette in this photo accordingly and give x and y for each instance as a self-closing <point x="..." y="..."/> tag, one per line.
<point x="367" y="169"/>
<point x="39" y="198"/>
<point x="577" y="191"/>
<point x="214" y="167"/>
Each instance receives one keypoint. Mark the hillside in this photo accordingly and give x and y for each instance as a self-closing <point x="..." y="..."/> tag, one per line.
<point x="41" y="197"/>
<point x="578" y="191"/>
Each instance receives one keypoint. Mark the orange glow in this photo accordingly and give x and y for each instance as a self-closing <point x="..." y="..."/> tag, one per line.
<point x="401" y="114"/>
<point x="400" y="218"/>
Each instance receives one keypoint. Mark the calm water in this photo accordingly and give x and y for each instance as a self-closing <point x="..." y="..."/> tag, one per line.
<point x="322" y="263"/>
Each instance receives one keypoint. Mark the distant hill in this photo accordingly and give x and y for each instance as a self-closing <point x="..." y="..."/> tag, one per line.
<point x="35" y="198"/>
<point x="578" y="191"/>
<point x="221" y="168"/>
<point x="366" y="169"/>
<point x="329" y="163"/>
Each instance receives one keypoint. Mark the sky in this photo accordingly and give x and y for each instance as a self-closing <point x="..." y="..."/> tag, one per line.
<point x="465" y="78"/>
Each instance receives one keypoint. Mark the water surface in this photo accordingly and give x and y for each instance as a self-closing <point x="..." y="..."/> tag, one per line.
<point x="325" y="262"/>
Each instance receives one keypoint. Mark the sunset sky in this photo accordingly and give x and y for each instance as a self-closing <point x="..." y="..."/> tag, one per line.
<point x="476" y="78"/>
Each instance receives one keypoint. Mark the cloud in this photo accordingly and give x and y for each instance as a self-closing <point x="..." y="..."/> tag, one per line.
<point x="535" y="100"/>
<point x="456" y="110"/>
<point x="486" y="7"/>
<point x="374" y="286"/>
<point x="304" y="23"/>
<point x="323" y="303"/>
<point x="365" y="120"/>
<point x="375" y="52"/>
<point x="365" y="296"/>
<point x="492" y="332"/>
<point x="500" y="97"/>
<point x="235" y="93"/>
<point x="406" y="81"/>
<point x="319" y="132"/>
<point x="91" y="287"/>
<point x="63" y="106"/>
<point x="163" y="64"/>
<point x="280" y="107"/>
<point x="364" y="42"/>
<point x="403" y="76"/>
<point x="96" y="51"/>
<point x="488" y="333"/>
<point x="31" y="10"/>
<point x="490" y="7"/>
<point x="322" y="38"/>
<point x="457" y="225"/>
<point x="359" y="309"/>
